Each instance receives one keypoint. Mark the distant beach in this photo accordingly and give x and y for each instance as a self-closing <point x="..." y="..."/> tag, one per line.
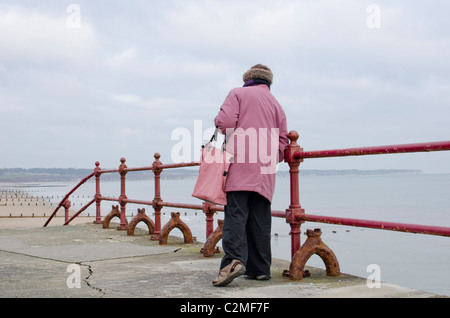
<point x="20" y="209"/>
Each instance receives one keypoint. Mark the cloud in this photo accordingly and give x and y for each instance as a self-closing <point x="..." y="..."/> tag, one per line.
<point x="132" y="72"/>
<point x="36" y="38"/>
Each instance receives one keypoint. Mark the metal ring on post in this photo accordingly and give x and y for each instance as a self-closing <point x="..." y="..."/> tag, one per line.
<point x="140" y="216"/>
<point x="115" y="212"/>
<point x="313" y="245"/>
<point x="174" y="222"/>
<point x="209" y="248"/>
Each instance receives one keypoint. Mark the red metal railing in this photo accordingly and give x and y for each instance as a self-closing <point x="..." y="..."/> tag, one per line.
<point x="405" y="148"/>
<point x="157" y="203"/>
<point x="294" y="215"/>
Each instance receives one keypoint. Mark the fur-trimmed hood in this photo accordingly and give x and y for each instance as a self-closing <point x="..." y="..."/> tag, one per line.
<point x="258" y="71"/>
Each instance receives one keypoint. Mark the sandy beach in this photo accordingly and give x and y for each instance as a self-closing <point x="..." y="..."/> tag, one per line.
<point x="19" y="209"/>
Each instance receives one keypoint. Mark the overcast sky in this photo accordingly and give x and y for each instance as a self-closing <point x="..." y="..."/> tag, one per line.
<point x="86" y="81"/>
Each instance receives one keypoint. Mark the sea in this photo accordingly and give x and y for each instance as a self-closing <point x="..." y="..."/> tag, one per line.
<point x="417" y="261"/>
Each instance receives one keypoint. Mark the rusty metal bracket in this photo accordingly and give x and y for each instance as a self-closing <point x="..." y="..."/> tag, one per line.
<point x="174" y="222"/>
<point x="114" y="213"/>
<point x="210" y="248"/>
<point x="141" y="216"/>
<point x="313" y="245"/>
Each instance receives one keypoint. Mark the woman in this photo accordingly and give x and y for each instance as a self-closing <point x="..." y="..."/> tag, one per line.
<point x="255" y="127"/>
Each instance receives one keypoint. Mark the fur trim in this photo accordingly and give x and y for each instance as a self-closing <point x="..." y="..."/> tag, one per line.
<point x="258" y="71"/>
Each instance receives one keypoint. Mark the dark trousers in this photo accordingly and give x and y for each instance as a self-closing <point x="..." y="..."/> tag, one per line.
<point x="247" y="231"/>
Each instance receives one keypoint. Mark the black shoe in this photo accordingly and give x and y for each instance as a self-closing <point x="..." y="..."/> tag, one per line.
<point x="258" y="277"/>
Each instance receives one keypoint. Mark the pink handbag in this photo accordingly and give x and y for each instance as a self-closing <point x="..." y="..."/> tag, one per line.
<point x="210" y="185"/>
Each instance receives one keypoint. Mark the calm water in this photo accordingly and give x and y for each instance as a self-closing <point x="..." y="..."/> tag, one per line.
<point x="410" y="260"/>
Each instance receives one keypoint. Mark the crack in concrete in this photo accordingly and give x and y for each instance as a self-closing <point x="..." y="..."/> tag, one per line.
<point x="91" y="272"/>
<point x="85" y="280"/>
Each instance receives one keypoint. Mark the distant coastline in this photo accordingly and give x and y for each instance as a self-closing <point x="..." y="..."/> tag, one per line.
<point x="18" y="175"/>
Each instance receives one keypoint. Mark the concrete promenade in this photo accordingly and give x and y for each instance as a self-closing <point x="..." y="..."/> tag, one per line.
<point x="86" y="261"/>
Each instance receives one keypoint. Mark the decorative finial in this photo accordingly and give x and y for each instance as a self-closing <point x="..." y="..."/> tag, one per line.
<point x="293" y="136"/>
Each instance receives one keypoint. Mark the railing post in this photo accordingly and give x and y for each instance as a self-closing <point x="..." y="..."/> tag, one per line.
<point x="98" y="196"/>
<point x="67" y="204"/>
<point x="295" y="211"/>
<point x="206" y="207"/>
<point x="156" y="206"/>
<point x="123" y="197"/>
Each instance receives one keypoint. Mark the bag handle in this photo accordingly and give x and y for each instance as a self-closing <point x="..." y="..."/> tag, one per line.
<point x="214" y="136"/>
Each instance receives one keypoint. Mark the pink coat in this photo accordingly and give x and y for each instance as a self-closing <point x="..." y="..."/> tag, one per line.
<point x="259" y="136"/>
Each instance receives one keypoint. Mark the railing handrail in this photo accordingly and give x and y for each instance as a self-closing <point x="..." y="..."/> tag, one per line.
<point x="376" y="150"/>
<point x="67" y="196"/>
<point x="381" y="225"/>
<point x="151" y="168"/>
